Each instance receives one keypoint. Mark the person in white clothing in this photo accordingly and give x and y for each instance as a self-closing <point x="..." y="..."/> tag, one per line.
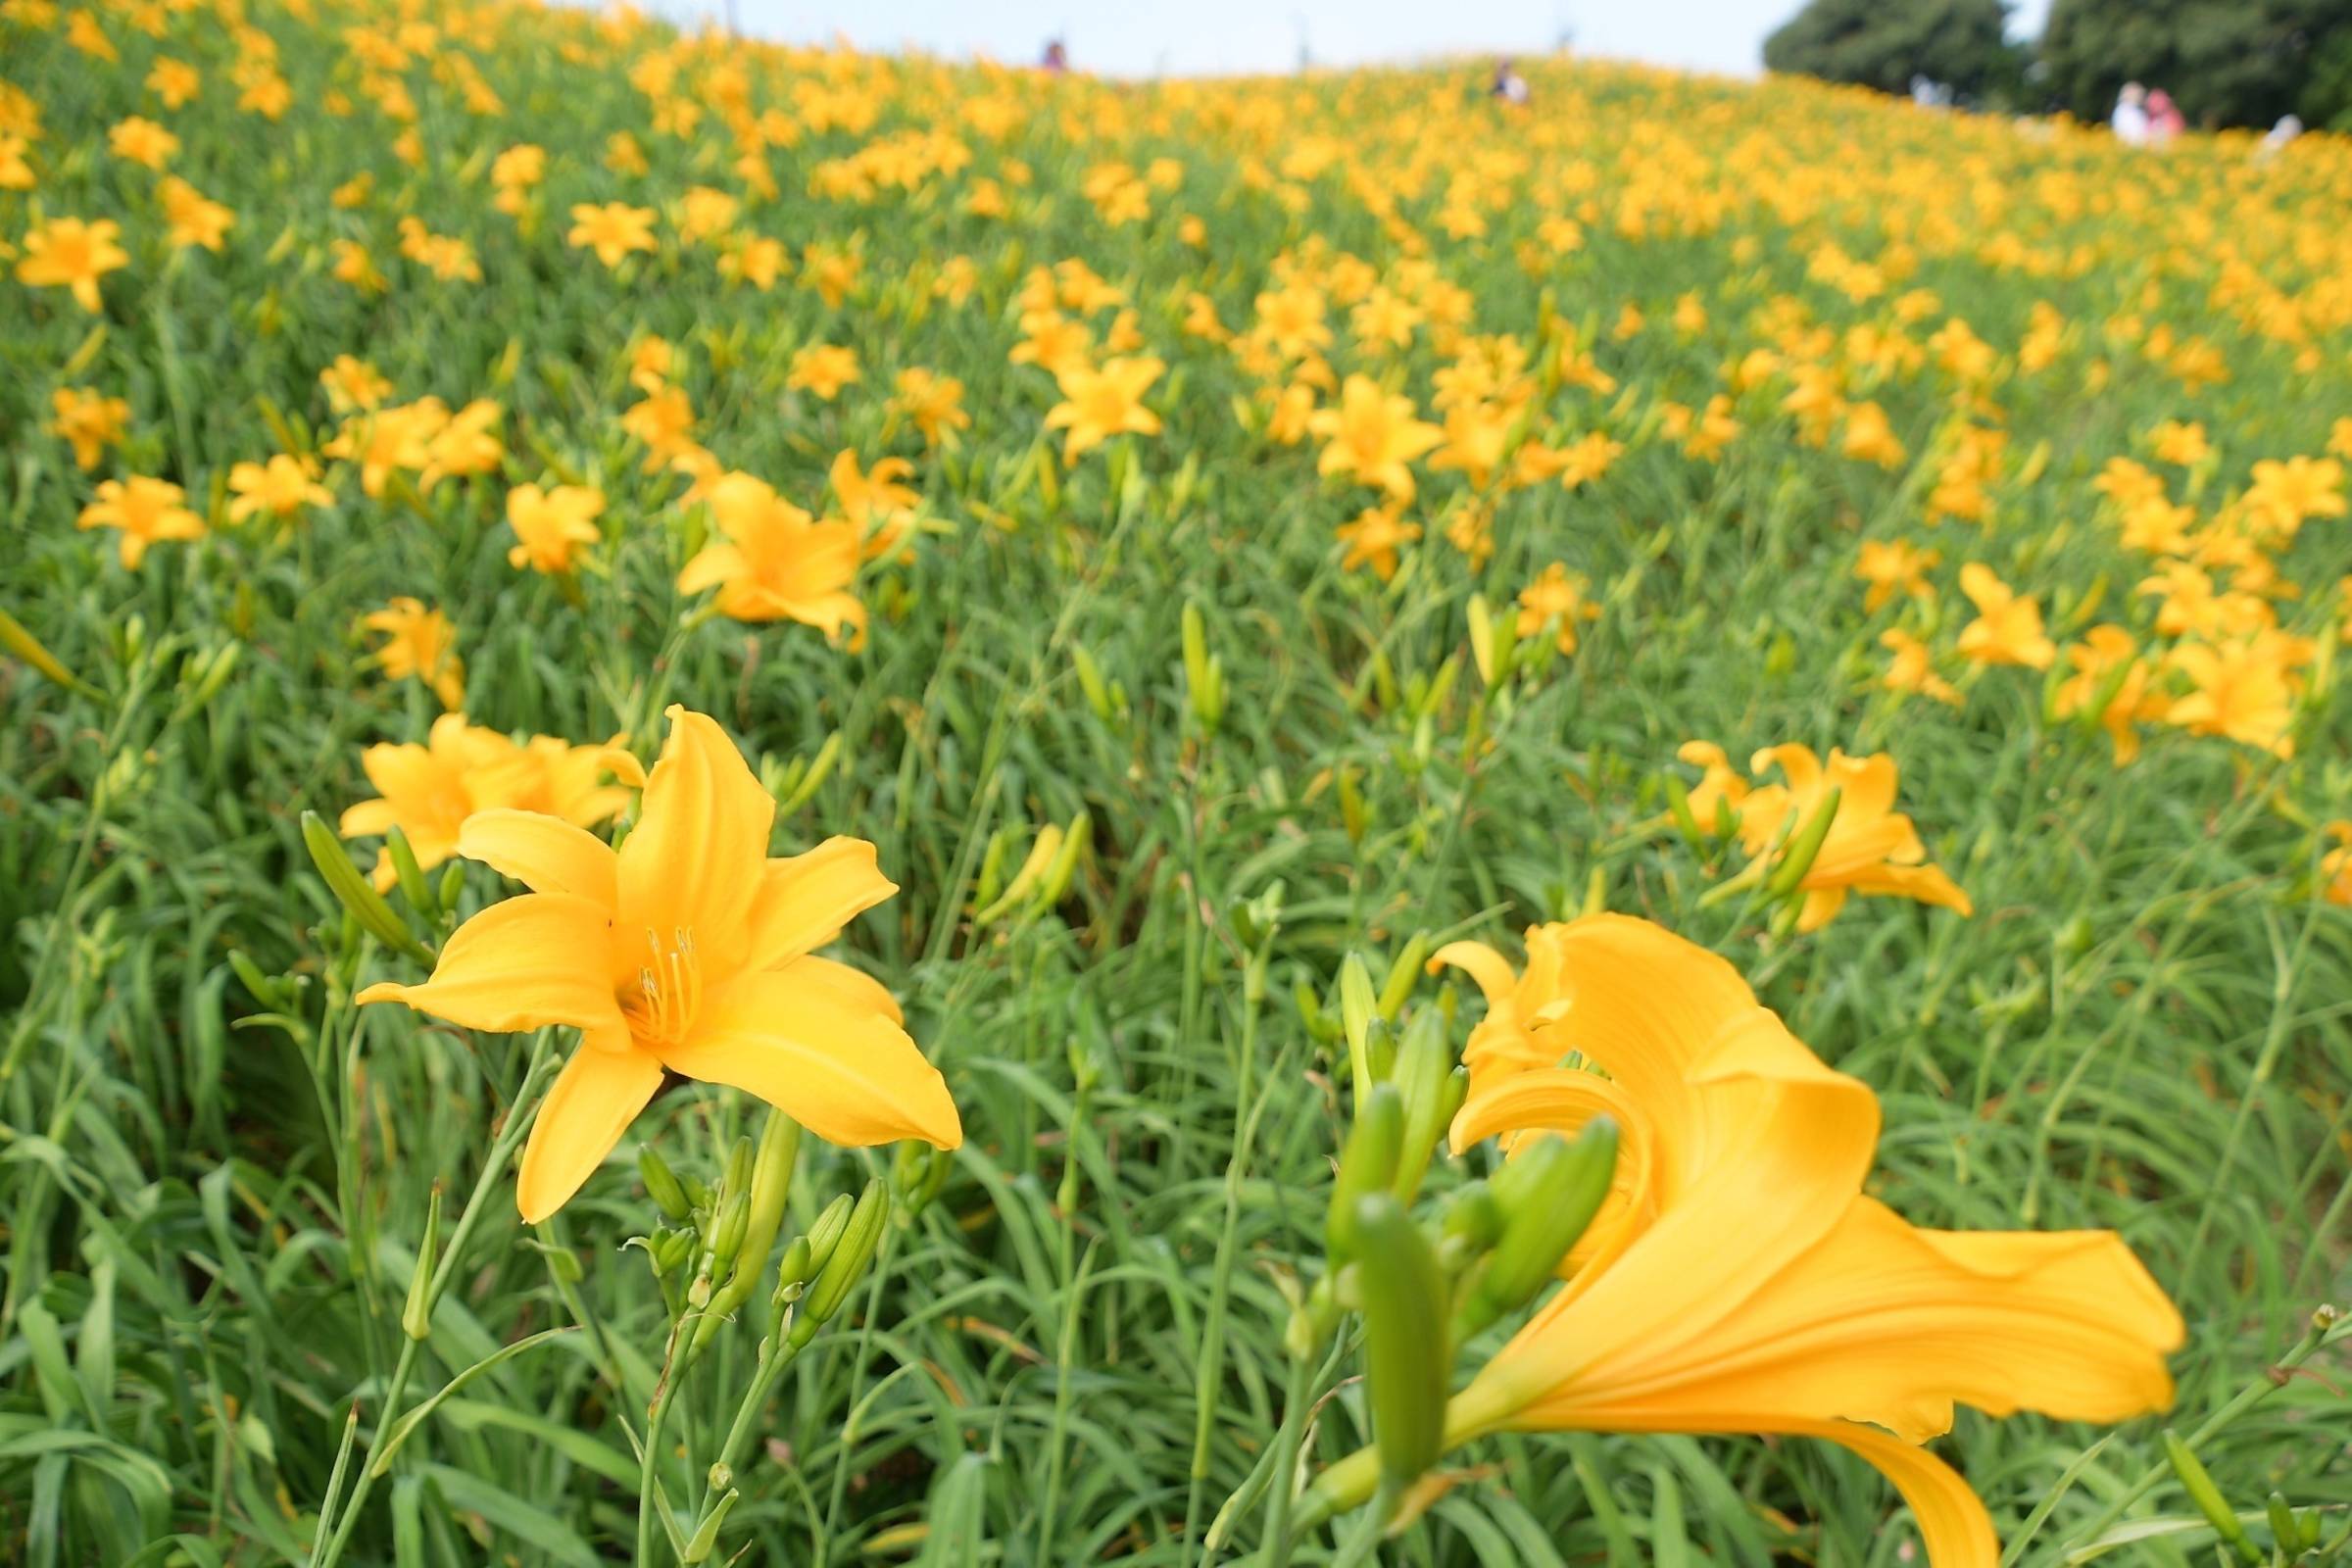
<point x="2129" y="122"/>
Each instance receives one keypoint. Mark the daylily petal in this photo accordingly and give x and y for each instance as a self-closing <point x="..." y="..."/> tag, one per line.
<point x="546" y="853"/>
<point x="843" y="1069"/>
<point x="1489" y="969"/>
<point x="525" y="964"/>
<point x="693" y="859"/>
<point x="804" y="899"/>
<point x="1953" y="1525"/>
<point x="852" y="988"/>
<point x="590" y="1105"/>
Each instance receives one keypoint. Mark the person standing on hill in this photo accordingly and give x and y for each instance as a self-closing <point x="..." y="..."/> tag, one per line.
<point x="2129" y="122"/>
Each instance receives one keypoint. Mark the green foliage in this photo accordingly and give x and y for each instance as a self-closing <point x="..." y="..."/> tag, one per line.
<point x="1886" y="43"/>
<point x="2225" y="61"/>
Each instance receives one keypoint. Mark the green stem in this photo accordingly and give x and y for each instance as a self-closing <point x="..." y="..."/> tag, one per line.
<point x="1283" y="1483"/>
<point x="2327" y="1327"/>
<point x="646" y="1462"/>
<point x="519" y="1122"/>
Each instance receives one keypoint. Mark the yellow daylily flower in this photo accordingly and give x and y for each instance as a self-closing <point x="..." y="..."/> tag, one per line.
<point x="690" y="951"/>
<point x="1743" y="1283"/>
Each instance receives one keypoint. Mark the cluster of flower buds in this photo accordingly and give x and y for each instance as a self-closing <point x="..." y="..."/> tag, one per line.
<point x="1427" y="1286"/>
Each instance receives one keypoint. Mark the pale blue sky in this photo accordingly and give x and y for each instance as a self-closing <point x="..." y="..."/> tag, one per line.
<point x="1212" y="36"/>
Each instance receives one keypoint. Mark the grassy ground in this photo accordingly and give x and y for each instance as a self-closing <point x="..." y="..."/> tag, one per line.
<point x="217" y="1176"/>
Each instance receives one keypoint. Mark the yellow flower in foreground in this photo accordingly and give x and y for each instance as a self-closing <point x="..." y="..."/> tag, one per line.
<point x="420" y="643"/>
<point x="551" y="525"/>
<point x="1098" y="405"/>
<point x="687" y="950"/>
<point x="2007" y="629"/>
<point x="1871" y="847"/>
<point x="146" y="511"/>
<point x="1373" y="436"/>
<point x="280" y="487"/>
<point x="89" y="422"/>
<point x="778" y="564"/>
<point x="429" y="791"/>
<point x="1742" y="1282"/>
<point x="612" y="230"/>
<point x="70" y="254"/>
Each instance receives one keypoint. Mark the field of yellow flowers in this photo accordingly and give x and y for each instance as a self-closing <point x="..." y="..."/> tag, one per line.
<point x="766" y="805"/>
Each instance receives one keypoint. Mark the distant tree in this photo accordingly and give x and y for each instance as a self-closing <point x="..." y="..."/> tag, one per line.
<point x="1884" y="43"/>
<point x="2225" y="61"/>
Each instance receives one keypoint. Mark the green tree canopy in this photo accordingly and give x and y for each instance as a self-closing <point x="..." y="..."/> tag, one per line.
<point x="1884" y="43"/>
<point x="2225" y="61"/>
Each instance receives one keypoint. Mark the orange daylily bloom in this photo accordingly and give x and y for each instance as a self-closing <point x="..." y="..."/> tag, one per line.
<point x="1871" y="847"/>
<point x="419" y="642"/>
<point x="1373" y="436"/>
<point x="1099" y="403"/>
<point x="1739" y="1280"/>
<point x="689" y="950"/>
<point x="70" y="254"/>
<point x="2007" y="629"/>
<point x="777" y="562"/>
<point x="551" y="525"/>
<point x="146" y="511"/>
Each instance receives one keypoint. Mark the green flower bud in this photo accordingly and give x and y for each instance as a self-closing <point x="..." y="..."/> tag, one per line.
<point x="361" y="902"/>
<point x="1407" y="1347"/>
<point x="848" y="1264"/>
<point x="1424" y="1062"/>
<point x="1358" y="1007"/>
<point x="704" y="1539"/>
<point x="1798" y="857"/>
<point x="794" y="1271"/>
<point x="2199" y="1484"/>
<point x="736" y="1176"/>
<point x="1367" y="1165"/>
<point x="661" y="1185"/>
<point x="826" y="1233"/>
<point x="416" y="1316"/>
<point x="1403" y="976"/>
<point x="1548" y="1195"/>
<point x="726" y="1237"/>
<point x="407" y="872"/>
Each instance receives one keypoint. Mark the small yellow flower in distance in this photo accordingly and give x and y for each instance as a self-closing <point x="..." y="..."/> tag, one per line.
<point x="1738" y="1277"/>
<point x="1871" y="849"/>
<point x="1374" y="436"/>
<point x="1716" y="798"/>
<point x="16" y="170"/>
<point x="2336" y="867"/>
<point x="2284" y="495"/>
<point x="688" y="950"/>
<point x="663" y="421"/>
<point x="70" y="254"/>
<point x="192" y="219"/>
<point x="2181" y="445"/>
<point x="353" y="384"/>
<point x="1588" y="459"/>
<point x="146" y="511"/>
<point x="1894" y="566"/>
<point x="2245" y="689"/>
<point x="822" y="370"/>
<point x="175" y="82"/>
<point x="467" y="444"/>
<point x="551" y="525"/>
<point x="778" y="564"/>
<point x="1374" y="538"/>
<point x="141" y="141"/>
<point x="1558" y="599"/>
<point x="2007" y="629"/>
<point x="420" y="643"/>
<point x="280" y="487"/>
<point x="1099" y="403"/>
<point x="89" y="422"/>
<point x="934" y="401"/>
<point x="875" y="502"/>
<point x="612" y="229"/>
<point x="1911" y="667"/>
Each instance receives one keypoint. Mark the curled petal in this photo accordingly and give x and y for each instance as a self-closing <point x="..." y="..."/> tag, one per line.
<point x="526" y="963"/>
<point x="546" y="853"/>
